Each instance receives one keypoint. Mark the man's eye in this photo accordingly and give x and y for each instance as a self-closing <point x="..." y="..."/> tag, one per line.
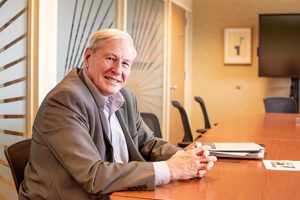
<point x="125" y="64"/>
<point x="110" y="58"/>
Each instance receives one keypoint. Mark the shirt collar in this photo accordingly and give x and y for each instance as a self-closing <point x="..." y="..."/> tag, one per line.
<point x="114" y="102"/>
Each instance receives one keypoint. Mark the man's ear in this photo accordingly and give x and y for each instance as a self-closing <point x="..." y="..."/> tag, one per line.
<point x="87" y="55"/>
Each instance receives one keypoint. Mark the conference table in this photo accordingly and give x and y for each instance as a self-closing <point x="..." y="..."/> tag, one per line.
<point x="241" y="178"/>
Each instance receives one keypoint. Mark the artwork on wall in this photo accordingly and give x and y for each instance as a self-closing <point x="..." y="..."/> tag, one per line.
<point x="237" y="46"/>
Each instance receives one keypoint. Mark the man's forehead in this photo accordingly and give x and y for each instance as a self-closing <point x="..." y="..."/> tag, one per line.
<point x="116" y="47"/>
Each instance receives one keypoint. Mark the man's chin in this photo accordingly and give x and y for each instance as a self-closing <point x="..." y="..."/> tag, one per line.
<point x="110" y="92"/>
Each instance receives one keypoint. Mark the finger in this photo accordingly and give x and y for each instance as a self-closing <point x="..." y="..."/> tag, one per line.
<point x="207" y="159"/>
<point x="199" y="151"/>
<point x="212" y="158"/>
<point x="209" y="165"/>
<point x="199" y="166"/>
<point x="198" y="163"/>
<point x="201" y="173"/>
<point x="203" y="151"/>
<point x="202" y="166"/>
<point x="198" y="144"/>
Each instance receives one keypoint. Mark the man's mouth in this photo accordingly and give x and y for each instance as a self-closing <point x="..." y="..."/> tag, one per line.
<point x="112" y="79"/>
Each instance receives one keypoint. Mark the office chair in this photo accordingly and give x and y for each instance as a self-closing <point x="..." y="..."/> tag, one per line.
<point x="187" y="137"/>
<point x="152" y="122"/>
<point x="17" y="156"/>
<point x="280" y="105"/>
<point x="207" y="125"/>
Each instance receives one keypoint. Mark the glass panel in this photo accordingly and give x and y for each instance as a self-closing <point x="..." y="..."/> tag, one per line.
<point x="146" y="26"/>
<point x="13" y="108"/>
<point x="10" y="139"/>
<point x="14" y="90"/>
<point x="77" y="20"/>
<point x="16" y="125"/>
<point x="13" y="51"/>
<point x="15" y="72"/>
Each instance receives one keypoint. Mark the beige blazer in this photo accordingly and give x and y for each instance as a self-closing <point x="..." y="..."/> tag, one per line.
<point x="71" y="157"/>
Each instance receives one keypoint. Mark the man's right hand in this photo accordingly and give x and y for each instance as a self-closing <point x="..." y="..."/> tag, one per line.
<point x="194" y="162"/>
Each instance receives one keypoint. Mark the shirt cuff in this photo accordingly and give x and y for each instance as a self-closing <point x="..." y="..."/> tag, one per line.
<point x="162" y="173"/>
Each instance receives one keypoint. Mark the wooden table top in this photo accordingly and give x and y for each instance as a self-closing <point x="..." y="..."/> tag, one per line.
<point x="270" y="126"/>
<point x="239" y="178"/>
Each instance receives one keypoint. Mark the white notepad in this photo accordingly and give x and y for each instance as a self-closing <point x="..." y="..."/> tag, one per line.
<point x="242" y="150"/>
<point x="234" y="146"/>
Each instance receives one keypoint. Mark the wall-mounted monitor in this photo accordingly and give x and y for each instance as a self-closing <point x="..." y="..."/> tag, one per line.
<point x="279" y="45"/>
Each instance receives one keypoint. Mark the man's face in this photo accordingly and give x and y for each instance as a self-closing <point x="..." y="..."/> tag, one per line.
<point x="108" y="67"/>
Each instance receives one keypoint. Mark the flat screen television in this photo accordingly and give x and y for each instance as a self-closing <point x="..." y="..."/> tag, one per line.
<point x="279" y="45"/>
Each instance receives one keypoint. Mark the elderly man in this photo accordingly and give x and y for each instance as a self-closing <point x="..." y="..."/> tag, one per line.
<point x="89" y="139"/>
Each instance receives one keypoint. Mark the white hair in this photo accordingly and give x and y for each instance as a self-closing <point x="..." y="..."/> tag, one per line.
<point x="111" y="33"/>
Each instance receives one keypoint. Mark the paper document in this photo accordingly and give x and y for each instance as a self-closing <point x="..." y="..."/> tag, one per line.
<point x="243" y="150"/>
<point x="234" y="146"/>
<point x="286" y="165"/>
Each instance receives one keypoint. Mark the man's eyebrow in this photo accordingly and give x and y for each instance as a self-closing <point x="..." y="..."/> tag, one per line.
<point x="116" y="56"/>
<point x="110" y="54"/>
<point x="127" y="60"/>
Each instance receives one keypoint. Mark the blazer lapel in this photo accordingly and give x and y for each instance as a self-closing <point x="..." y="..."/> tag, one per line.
<point x="104" y="126"/>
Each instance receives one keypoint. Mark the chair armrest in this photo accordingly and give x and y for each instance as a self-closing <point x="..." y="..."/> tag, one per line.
<point x="201" y="131"/>
<point x="183" y="144"/>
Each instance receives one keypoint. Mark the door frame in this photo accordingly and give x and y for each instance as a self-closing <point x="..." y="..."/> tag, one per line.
<point x="187" y="64"/>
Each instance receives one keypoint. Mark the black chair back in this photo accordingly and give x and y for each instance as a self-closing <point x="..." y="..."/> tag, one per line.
<point x="17" y="156"/>
<point x="188" y="137"/>
<point x="204" y="111"/>
<point x="152" y="122"/>
<point x="280" y="105"/>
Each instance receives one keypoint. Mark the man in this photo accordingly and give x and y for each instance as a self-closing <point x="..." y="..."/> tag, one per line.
<point x="89" y="139"/>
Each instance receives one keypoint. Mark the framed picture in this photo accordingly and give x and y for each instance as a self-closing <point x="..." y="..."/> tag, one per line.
<point x="237" y="46"/>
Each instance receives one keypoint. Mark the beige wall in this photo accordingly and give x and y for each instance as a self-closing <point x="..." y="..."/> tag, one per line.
<point x="231" y="90"/>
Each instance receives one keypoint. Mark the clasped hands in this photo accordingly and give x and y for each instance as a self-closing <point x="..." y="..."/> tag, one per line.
<point x="193" y="162"/>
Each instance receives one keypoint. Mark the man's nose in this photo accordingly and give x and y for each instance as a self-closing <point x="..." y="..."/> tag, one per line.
<point x="117" y="67"/>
